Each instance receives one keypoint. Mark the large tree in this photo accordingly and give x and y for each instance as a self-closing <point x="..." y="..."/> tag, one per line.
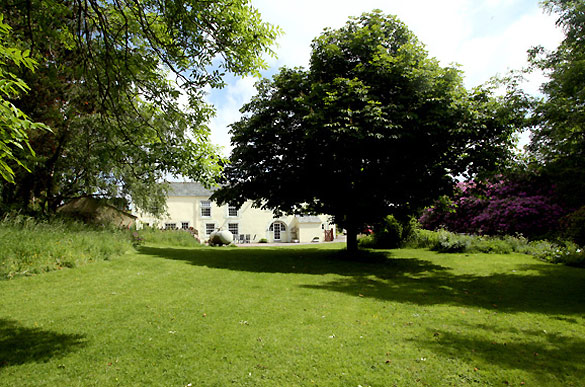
<point x="121" y="83"/>
<point x="558" y="140"/>
<point x="14" y="124"/>
<point x="374" y="127"/>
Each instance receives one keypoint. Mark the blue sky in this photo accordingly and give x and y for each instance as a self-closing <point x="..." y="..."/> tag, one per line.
<point x="485" y="37"/>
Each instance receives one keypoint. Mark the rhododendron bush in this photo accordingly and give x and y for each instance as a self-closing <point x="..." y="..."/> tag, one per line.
<point x="524" y="205"/>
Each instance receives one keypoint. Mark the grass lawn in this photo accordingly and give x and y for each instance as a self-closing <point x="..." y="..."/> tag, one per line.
<point x="295" y="316"/>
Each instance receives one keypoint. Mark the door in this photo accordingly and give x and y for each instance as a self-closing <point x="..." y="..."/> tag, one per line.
<point x="276" y="231"/>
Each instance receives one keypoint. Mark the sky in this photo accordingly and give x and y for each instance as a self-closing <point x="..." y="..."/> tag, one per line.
<point x="485" y="37"/>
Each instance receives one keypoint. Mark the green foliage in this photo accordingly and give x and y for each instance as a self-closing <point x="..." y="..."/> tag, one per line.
<point x="30" y="246"/>
<point x="558" y="138"/>
<point x="156" y="237"/>
<point x="389" y="233"/>
<point x="447" y="242"/>
<point x="367" y="242"/>
<point x="14" y="124"/>
<point x="574" y="226"/>
<point x="422" y="239"/>
<point x="565" y="252"/>
<point x="122" y="86"/>
<point x="372" y="107"/>
<point x="263" y="240"/>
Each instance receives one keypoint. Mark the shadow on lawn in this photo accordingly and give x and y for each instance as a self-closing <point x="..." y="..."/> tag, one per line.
<point x="297" y="261"/>
<point x="541" y="353"/>
<point x="554" y="289"/>
<point x="20" y="345"/>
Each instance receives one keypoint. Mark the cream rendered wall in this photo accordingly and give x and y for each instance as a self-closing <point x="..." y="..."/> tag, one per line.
<point x="179" y="209"/>
<point x="253" y="221"/>
<point x="309" y="231"/>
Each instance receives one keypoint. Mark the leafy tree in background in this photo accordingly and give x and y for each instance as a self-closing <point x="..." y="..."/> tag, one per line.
<point x="374" y="127"/>
<point x="14" y="124"/>
<point x="108" y="85"/>
<point x="558" y="140"/>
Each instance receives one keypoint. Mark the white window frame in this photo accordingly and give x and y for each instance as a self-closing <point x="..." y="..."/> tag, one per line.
<point x="205" y="205"/>
<point x="184" y="223"/>
<point x="170" y="225"/>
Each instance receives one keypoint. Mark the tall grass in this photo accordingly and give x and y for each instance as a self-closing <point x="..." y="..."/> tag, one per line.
<point x="178" y="238"/>
<point x="31" y="246"/>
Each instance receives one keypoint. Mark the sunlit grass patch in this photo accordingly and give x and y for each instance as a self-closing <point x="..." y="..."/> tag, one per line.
<point x="297" y="316"/>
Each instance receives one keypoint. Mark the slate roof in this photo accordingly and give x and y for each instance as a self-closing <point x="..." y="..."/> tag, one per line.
<point x="309" y="219"/>
<point x="188" y="189"/>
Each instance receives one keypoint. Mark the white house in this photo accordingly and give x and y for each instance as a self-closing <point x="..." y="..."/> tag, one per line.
<point x="189" y="207"/>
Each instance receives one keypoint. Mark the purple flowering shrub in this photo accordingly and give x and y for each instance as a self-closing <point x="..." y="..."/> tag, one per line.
<point x="524" y="205"/>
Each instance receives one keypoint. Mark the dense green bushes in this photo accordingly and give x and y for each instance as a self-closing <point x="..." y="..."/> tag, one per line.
<point x="30" y="246"/>
<point x="574" y="226"/>
<point x="448" y="242"/>
<point x="388" y="234"/>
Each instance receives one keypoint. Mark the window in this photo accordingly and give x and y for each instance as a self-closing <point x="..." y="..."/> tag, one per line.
<point x="232" y="211"/>
<point x="205" y="208"/>
<point x="185" y="225"/>
<point x="170" y="226"/>
<point x="277" y="228"/>
<point x="281" y="226"/>
<point x="209" y="228"/>
<point x="234" y="229"/>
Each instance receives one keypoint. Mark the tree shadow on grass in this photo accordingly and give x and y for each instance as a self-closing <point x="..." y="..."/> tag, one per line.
<point x="300" y="261"/>
<point x="546" y="293"/>
<point x="550" y="355"/>
<point x="20" y="345"/>
<point x="548" y="289"/>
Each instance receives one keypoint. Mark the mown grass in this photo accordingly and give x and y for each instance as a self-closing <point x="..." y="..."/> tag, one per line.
<point x="303" y="316"/>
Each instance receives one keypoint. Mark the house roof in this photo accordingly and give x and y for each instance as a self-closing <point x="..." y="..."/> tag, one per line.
<point x="89" y="205"/>
<point x="188" y="189"/>
<point x="308" y="219"/>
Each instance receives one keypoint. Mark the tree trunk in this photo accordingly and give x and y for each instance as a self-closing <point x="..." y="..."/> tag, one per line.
<point x="352" y="245"/>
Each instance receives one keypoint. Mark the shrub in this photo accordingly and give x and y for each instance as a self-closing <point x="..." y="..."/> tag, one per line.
<point x="566" y="253"/>
<point x="391" y="234"/>
<point x="449" y="242"/>
<point x="490" y="245"/>
<point x="263" y="240"/>
<point x="524" y="204"/>
<point x="388" y="233"/>
<point x="574" y="226"/>
<point x="367" y="242"/>
<point x="422" y="239"/>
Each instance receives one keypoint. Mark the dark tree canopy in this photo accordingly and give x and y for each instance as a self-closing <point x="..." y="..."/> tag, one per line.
<point x="106" y="87"/>
<point x="374" y="127"/>
<point x="558" y="141"/>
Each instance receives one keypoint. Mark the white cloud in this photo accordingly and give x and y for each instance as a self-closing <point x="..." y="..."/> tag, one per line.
<point x="486" y="37"/>
<point x="232" y="97"/>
